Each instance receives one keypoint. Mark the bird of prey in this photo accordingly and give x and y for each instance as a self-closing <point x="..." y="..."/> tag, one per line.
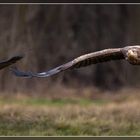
<point x="10" y="61"/>
<point x="128" y="53"/>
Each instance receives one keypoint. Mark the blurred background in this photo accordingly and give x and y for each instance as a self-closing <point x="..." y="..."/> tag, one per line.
<point x="51" y="35"/>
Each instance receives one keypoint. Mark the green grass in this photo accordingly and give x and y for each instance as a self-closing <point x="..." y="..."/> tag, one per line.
<point x="66" y="117"/>
<point x="52" y="102"/>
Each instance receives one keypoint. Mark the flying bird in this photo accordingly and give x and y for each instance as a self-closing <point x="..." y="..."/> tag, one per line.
<point x="10" y="61"/>
<point x="128" y="53"/>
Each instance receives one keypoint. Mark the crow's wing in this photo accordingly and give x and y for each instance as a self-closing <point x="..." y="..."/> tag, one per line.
<point x="9" y="61"/>
<point x="84" y="60"/>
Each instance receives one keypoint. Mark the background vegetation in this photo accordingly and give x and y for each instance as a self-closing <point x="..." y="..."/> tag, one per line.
<point x="50" y="35"/>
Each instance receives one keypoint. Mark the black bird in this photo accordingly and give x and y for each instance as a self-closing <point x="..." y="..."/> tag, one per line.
<point x="10" y="61"/>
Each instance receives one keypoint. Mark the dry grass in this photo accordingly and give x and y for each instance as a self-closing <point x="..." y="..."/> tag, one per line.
<point x="111" y="115"/>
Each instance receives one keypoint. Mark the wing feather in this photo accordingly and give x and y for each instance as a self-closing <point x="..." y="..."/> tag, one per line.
<point x="98" y="57"/>
<point x="51" y="72"/>
<point x="82" y="61"/>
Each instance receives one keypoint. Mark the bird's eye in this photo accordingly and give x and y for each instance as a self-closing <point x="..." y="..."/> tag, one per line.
<point x="134" y="51"/>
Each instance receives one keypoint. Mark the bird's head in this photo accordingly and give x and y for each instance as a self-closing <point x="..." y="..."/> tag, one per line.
<point x="133" y="56"/>
<point x="132" y="53"/>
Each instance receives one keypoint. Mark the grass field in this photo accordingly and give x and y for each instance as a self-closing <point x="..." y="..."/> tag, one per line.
<point x="107" y="116"/>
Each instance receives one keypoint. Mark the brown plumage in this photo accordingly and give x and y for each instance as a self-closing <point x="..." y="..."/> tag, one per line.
<point x="129" y="53"/>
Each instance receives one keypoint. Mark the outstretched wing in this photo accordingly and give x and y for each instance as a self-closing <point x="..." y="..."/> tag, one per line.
<point x="10" y="61"/>
<point x="84" y="60"/>
<point x="29" y="74"/>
